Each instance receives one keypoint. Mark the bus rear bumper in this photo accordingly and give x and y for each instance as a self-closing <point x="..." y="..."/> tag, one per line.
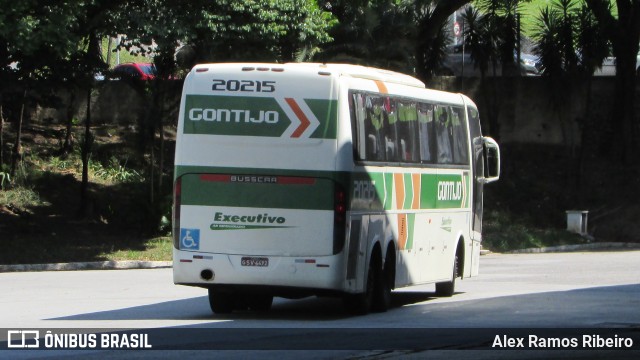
<point x="260" y="272"/>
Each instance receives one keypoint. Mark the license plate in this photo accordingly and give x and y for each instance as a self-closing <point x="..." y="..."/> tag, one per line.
<point x="254" y="261"/>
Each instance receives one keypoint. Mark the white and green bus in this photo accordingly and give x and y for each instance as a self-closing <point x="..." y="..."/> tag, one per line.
<point x="296" y="180"/>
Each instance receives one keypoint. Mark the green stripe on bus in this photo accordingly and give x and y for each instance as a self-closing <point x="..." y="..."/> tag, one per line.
<point x="412" y="222"/>
<point x="428" y="191"/>
<point x="388" y="186"/>
<point x="252" y="116"/>
<point x="199" y="191"/>
<point x="326" y="111"/>
<point x="408" y="192"/>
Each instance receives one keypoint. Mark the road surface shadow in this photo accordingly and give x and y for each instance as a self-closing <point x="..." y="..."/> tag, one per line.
<point x="311" y="308"/>
<point x="608" y="306"/>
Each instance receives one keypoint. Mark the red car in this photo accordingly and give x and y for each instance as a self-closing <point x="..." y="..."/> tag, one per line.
<point x="140" y="71"/>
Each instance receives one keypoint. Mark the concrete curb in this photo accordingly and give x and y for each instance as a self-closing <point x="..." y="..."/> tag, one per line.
<point x="96" y="265"/>
<point x="580" y="247"/>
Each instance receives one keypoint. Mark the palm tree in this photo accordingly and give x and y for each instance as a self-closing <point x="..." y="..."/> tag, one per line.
<point x="480" y="40"/>
<point x="571" y="46"/>
<point x="501" y="25"/>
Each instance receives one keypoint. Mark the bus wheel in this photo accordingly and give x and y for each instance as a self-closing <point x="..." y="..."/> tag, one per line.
<point x="446" y="289"/>
<point x="260" y="302"/>
<point x="221" y="302"/>
<point x="361" y="304"/>
<point x="384" y="283"/>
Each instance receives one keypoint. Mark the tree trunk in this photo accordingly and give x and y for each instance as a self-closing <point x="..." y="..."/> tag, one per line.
<point x="17" y="148"/>
<point x="1" y="135"/>
<point x="86" y="151"/>
<point x="624" y="108"/>
<point x="68" y="138"/>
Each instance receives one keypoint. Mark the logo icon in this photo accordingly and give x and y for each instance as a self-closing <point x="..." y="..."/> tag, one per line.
<point x="190" y="239"/>
<point x="23" y="339"/>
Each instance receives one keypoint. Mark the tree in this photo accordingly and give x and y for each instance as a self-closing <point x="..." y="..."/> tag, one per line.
<point x="431" y="18"/>
<point x="409" y="36"/>
<point x="254" y="30"/>
<point x="56" y="44"/>
<point x="571" y="47"/>
<point x="623" y="31"/>
<point x="371" y="33"/>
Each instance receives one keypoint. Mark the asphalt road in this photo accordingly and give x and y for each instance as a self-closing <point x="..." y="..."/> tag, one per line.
<point x="576" y="294"/>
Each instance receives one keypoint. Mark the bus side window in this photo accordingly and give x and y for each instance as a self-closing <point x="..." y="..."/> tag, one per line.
<point x="407" y="131"/>
<point x="425" y="127"/>
<point x="443" y="135"/>
<point x="459" y="136"/>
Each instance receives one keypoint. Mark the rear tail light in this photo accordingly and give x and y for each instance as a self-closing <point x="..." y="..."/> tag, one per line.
<point x="339" y="218"/>
<point x="177" y="201"/>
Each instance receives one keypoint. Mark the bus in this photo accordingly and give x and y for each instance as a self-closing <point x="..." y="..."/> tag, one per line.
<point x="303" y="179"/>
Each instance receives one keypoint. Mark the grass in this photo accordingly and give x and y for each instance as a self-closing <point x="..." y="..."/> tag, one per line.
<point x="504" y="232"/>
<point x="39" y="206"/>
<point x="531" y="11"/>
<point x="56" y="249"/>
<point x="155" y="249"/>
<point x="124" y="55"/>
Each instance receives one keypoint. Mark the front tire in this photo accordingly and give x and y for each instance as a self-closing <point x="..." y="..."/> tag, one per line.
<point x="447" y="289"/>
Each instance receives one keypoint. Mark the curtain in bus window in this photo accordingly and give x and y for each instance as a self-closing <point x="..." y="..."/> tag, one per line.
<point x="359" y="117"/>
<point x="425" y="120"/>
<point x="407" y="135"/>
<point x="443" y="135"/>
<point x="459" y="136"/>
<point x="376" y="143"/>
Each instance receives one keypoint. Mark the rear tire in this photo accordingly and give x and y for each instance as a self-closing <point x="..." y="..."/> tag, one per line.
<point x="384" y="284"/>
<point x="222" y="302"/>
<point x="447" y="289"/>
<point x="361" y="304"/>
<point x="259" y="302"/>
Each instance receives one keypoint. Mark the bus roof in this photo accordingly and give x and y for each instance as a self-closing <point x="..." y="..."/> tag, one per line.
<point x="354" y="71"/>
<point x="365" y="72"/>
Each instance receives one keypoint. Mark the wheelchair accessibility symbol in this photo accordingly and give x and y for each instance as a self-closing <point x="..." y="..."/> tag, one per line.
<point x="190" y="239"/>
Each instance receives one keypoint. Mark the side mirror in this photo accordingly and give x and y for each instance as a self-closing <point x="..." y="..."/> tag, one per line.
<point x="491" y="156"/>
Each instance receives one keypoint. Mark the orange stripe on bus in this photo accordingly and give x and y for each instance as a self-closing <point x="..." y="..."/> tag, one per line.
<point x="304" y="122"/>
<point x="403" y="231"/>
<point x="381" y="87"/>
<point x="398" y="180"/>
<point x="416" y="191"/>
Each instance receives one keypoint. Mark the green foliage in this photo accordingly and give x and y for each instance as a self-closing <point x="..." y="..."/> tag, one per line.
<point x="20" y="198"/>
<point x="569" y="39"/>
<point x="260" y="30"/>
<point x="505" y="232"/>
<point x="114" y="172"/>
